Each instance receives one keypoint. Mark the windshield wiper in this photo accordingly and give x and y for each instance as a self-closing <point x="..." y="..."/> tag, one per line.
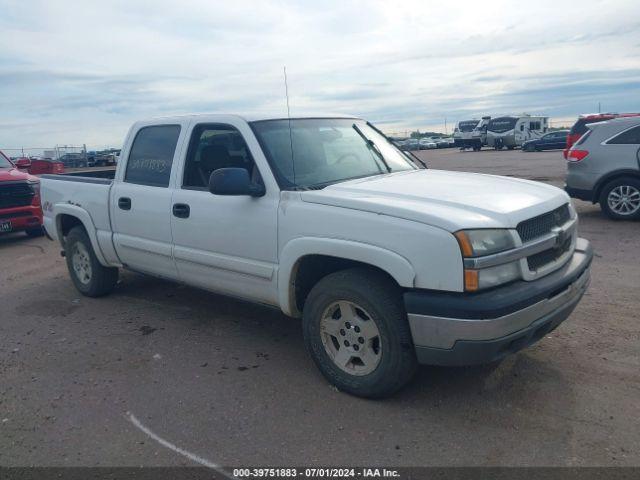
<point x="406" y="154"/>
<point x="373" y="147"/>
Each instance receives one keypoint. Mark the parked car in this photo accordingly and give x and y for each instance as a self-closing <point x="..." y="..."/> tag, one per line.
<point x="550" y="141"/>
<point x="427" y="144"/>
<point x="580" y="127"/>
<point x="39" y="166"/>
<point x="19" y="200"/>
<point x="74" y="160"/>
<point x="603" y="167"/>
<point x="388" y="265"/>
<point x="412" y="144"/>
<point x="441" y="142"/>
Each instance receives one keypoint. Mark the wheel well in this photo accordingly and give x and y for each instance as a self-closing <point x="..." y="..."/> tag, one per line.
<point x="614" y="176"/>
<point x="67" y="222"/>
<point x="310" y="269"/>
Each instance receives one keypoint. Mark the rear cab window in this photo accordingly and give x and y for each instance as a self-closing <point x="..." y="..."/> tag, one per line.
<point x="151" y="155"/>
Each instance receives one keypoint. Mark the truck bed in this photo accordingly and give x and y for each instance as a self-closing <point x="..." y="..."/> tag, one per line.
<point x="86" y="197"/>
<point x="101" y="173"/>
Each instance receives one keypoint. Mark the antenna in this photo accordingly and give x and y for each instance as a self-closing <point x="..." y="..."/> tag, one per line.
<point x="286" y="92"/>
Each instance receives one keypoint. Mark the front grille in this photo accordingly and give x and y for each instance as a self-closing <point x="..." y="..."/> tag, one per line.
<point x="548" y="256"/>
<point x="15" y="195"/>
<point x="16" y="214"/>
<point x="542" y="224"/>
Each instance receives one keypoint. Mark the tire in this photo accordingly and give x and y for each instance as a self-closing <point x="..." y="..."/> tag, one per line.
<point x="619" y="189"/>
<point x="376" y="299"/>
<point x="90" y="277"/>
<point x="511" y="147"/>
<point x="34" y="232"/>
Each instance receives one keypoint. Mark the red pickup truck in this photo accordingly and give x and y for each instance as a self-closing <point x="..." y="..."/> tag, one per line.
<point x="19" y="200"/>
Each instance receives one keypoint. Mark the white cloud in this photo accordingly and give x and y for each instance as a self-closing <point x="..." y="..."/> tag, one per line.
<point x="81" y="72"/>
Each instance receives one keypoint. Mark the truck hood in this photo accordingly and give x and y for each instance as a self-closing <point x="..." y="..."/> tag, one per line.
<point x="448" y="200"/>
<point x="13" y="174"/>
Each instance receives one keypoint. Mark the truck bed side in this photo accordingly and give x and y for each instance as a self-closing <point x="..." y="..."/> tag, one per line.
<point x="68" y="201"/>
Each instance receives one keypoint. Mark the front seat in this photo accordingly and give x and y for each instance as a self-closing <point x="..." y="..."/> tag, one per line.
<point x="213" y="157"/>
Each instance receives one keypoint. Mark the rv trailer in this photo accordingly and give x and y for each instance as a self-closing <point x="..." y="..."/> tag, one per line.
<point x="462" y="133"/>
<point x="513" y="131"/>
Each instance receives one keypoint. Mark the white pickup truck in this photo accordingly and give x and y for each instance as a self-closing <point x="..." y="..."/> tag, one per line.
<point x="388" y="265"/>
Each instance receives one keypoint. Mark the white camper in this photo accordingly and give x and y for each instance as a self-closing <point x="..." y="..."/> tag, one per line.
<point x="513" y="131"/>
<point x="462" y="133"/>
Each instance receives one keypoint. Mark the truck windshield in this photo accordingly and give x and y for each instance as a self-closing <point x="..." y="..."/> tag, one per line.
<point x="326" y="151"/>
<point x="4" y="161"/>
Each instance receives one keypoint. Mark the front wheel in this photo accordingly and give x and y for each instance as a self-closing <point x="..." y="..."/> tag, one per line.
<point x="620" y="199"/>
<point x="356" y="330"/>
<point x="89" y="276"/>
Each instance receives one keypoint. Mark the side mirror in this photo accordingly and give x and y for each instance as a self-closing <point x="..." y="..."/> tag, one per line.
<point x="23" y="163"/>
<point x="234" y="181"/>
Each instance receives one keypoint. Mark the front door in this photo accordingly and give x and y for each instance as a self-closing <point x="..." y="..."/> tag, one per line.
<point x="226" y="244"/>
<point x="141" y="202"/>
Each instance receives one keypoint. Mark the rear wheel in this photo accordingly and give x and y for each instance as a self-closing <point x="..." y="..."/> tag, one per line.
<point x="357" y="333"/>
<point x="89" y="276"/>
<point x="620" y="199"/>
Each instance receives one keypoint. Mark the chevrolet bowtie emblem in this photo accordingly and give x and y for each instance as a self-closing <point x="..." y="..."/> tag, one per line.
<point x="561" y="237"/>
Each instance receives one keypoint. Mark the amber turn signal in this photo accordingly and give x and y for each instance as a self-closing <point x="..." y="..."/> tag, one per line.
<point x="465" y="244"/>
<point x="471" y="280"/>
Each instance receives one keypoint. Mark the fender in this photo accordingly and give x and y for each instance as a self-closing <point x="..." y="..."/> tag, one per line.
<point x="624" y="172"/>
<point x="395" y="265"/>
<point x="87" y="222"/>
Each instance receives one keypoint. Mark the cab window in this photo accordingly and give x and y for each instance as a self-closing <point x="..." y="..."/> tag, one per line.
<point x="151" y="155"/>
<point x="215" y="146"/>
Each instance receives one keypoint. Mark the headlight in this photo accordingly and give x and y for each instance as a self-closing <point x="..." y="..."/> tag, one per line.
<point x="493" y="276"/>
<point x="478" y="243"/>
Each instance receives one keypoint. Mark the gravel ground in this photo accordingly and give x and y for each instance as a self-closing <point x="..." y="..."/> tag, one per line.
<point x="230" y="381"/>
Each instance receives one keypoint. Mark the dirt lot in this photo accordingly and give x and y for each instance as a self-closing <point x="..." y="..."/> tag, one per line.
<point x="91" y="381"/>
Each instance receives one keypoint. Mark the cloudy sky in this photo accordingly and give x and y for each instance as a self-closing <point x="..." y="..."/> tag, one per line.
<point x="74" y="72"/>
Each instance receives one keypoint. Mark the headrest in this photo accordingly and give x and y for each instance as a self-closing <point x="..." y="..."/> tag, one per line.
<point x="213" y="156"/>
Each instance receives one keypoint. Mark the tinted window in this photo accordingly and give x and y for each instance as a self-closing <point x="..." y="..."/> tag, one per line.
<point x="580" y="127"/>
<point x="535" y="126"/>
<point x="630" y="137"/>
<point x="584" y="137"/>
<point x="215" y="146"/>
<point x="152" y="155"/>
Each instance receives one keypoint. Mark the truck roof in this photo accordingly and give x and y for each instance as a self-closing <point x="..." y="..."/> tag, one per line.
<point x="249" y="117"/>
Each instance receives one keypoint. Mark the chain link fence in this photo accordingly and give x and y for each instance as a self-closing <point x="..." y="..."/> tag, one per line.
<point x="72" y="156"/>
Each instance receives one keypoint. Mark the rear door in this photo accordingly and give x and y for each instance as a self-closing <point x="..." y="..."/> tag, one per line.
<point x="141" y="199"/>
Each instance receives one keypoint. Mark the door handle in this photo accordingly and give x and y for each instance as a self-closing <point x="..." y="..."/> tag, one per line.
<point x="124" y="203"/>
<point x="181" y="210"/>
